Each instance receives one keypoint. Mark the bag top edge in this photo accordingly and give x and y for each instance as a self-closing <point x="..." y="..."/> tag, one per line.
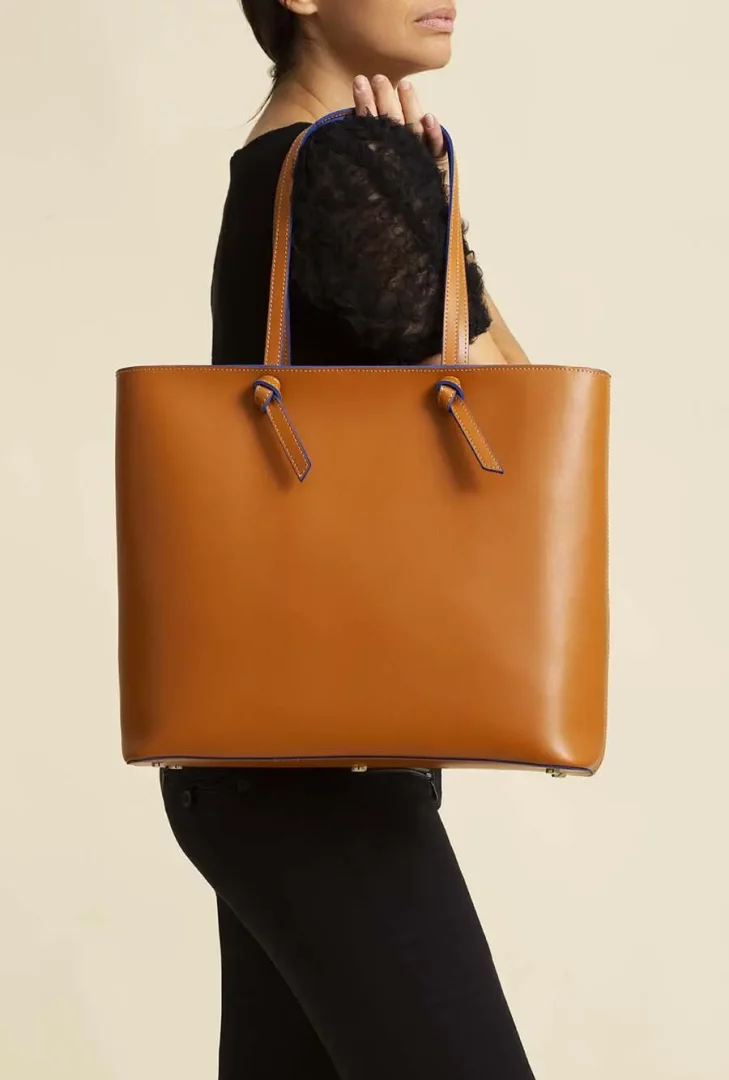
<point x="386" y="369"/>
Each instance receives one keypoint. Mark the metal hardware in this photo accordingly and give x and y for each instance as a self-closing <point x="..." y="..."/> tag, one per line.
<point x="359" y="768"/>
<point x="557" y="774"/>
<point x="162" y="765"/>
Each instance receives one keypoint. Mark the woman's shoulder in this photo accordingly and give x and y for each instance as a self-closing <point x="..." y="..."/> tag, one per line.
<point x="254" y="173"/>
<point x="372" y="141"/>
<point x="265" y="151"/>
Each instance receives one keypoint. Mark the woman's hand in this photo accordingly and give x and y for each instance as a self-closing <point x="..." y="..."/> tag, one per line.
<point x="379" y="98"/>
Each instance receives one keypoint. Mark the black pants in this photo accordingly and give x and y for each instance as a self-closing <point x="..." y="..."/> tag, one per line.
<point x="350" y="946"/>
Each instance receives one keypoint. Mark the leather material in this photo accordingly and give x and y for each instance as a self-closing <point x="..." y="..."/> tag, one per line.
<point x="405" y="605"/>
<point x="452" y="398"/>
<point x="267" y="395"/>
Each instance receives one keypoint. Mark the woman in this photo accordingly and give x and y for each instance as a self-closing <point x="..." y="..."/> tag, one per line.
<point x="350" y="946"/>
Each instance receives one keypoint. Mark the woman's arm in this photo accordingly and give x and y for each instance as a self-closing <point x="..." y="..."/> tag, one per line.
<point x="498" y="345"/>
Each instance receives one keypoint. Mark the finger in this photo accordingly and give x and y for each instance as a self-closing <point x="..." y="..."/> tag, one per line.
<point x="387" y="101"/>
<point x="434" y="137"/>
<point x="364" y="98"/>
<point x="410" y="104"/>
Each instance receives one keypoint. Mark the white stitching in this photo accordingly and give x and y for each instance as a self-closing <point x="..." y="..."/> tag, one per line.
<point x="282" y="440"/>
<point x="461" y="406"/>
<point x="281" y="188"/>
<point x="473" y="371"/>
<point x="294" y="436"/>
<point x="449" y="263"/>
<point x="457" y="239"/>
<point x="288" y="167"/>
<point x="446" y="327"/>
<point x="287" y="241"/>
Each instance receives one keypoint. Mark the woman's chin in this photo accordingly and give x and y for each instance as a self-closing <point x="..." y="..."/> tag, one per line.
<point x="432" y="54"/>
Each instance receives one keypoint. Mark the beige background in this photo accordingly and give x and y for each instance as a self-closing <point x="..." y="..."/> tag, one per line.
<point x="593" y="144"/>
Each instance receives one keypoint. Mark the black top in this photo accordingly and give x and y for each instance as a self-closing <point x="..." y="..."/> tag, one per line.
<point x="370" y="221"/>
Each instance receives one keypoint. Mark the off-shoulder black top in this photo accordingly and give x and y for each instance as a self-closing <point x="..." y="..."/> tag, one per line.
<point x="370" y="219"/>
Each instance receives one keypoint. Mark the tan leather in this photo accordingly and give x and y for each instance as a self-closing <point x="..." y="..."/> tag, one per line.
<point x="267" y="396"/>
<point x="403" y="604"/>
<point x="452" y="398"/>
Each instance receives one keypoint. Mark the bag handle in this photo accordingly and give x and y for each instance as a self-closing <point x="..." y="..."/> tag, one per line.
<point x="455" y="314"/>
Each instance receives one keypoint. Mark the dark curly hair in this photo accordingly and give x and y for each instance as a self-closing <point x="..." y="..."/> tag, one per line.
<point x="276" y="31"/>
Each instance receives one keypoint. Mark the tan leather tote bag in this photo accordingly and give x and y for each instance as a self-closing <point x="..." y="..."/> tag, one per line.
<point x="363" y="567"/>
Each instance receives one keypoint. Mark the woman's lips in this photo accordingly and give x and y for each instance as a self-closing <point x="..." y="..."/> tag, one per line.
<point x="441" y="20"/>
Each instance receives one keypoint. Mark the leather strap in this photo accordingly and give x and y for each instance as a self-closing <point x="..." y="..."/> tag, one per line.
<point x="267" y="395"/>
<point x="451" y="398"/>
<point x="455" y="316"/>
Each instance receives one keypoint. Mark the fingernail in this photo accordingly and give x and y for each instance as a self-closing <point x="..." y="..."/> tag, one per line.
<point x="429" y="120"/>
<point x="406" y="84"/>
<point x="379" y="79"/>
<point x="360" y="83"/>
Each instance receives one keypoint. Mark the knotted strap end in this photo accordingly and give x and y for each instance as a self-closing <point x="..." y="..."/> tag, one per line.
<point x="267" y="396"/>
<point x="452" y="399"/>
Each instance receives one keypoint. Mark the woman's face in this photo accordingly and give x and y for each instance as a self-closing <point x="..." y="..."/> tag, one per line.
<point x="388" y="37"/>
